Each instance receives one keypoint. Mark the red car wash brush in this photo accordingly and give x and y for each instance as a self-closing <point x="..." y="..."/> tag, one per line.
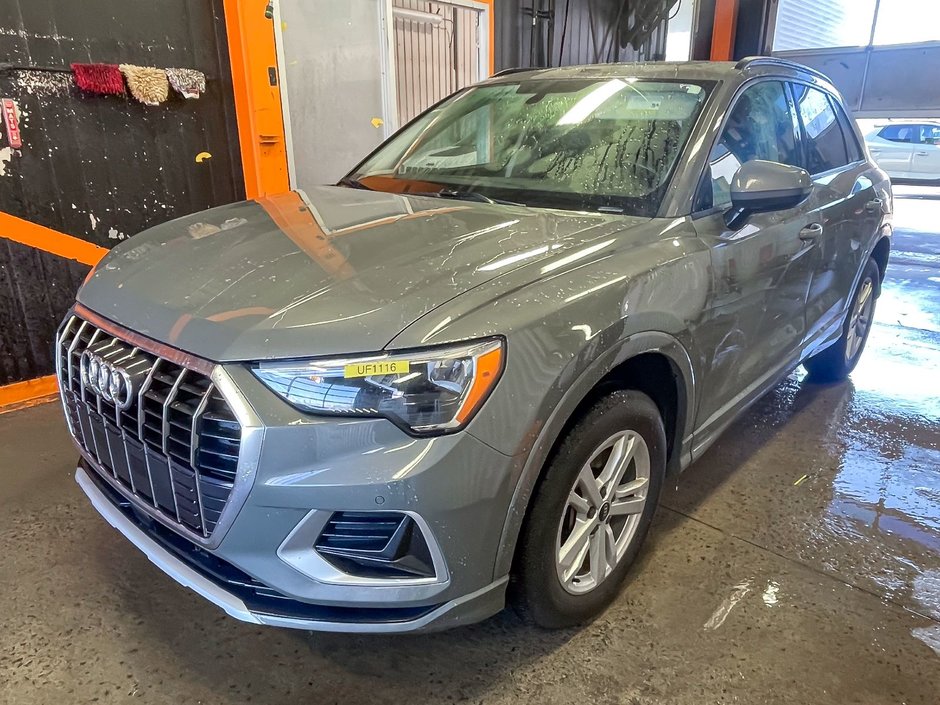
<point x="105" y="79"/>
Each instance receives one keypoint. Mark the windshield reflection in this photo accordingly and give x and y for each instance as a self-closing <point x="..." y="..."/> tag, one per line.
<point x="578" y="144"/>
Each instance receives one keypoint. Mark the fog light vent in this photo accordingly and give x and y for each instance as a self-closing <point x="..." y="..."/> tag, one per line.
<point x="376" y="545"/>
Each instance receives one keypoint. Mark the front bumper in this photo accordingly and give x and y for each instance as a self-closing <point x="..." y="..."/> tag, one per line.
<point x="213" y="587"/>
<point x="261" y="566"/>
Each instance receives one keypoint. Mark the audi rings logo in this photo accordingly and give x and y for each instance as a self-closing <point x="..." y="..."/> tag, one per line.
<point x="110" y="382"/>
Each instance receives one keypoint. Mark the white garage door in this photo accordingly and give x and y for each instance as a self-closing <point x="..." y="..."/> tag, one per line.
<point x="439" y="49"/>
<point x="814" y="24"/>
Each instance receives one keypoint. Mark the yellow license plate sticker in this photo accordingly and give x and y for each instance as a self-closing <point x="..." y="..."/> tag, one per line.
<point x="375" y="369"/>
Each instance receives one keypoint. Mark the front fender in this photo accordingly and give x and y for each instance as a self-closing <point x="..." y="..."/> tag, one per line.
<point x="565" y="330"/>
<point x="585" y="380"/>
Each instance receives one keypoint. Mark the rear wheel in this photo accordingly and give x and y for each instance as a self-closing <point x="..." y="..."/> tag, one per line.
<point x="591" y="511"/>
<point x="837" y="361"/>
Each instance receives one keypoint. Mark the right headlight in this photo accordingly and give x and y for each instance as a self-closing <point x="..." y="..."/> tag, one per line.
<point x="431" y="391"/>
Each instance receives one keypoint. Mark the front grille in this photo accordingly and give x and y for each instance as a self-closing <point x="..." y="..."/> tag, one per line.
<point x="175" y="446"/>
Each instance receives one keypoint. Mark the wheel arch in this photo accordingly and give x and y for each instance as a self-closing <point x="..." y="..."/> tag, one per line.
<point x="880" y="255"/>
<point x="655" y="363"/>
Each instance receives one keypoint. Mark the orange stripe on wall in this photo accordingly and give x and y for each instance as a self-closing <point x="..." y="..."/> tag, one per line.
<point x="22" y="393"/>
<point x="49" y="240"/>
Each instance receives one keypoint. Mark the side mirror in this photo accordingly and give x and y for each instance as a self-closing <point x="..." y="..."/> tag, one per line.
<point x="761" y="186"/>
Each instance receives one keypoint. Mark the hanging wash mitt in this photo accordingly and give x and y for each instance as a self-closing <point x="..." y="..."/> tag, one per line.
<point x="189" y="83"/>
<point x="148" y="85"/>
<point x="105" y="79"/>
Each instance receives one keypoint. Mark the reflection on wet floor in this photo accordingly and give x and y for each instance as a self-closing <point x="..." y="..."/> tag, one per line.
<point x="891" y="458"/>
<point x="889" y="478"/>
<point x="868" y="509"/>
<point x="927" y="594"/>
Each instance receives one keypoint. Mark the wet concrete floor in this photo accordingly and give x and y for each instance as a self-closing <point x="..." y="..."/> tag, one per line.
<point x="797" y="562"/>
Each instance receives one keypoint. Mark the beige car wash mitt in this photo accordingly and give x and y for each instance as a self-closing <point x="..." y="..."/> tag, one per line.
<point x="148" y="85"/>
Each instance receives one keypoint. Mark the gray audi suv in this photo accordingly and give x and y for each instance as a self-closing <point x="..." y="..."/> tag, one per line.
<point x="462" y="375"/>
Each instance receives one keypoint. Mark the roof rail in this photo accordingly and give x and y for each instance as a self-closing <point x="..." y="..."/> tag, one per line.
<point x="517" y="69"/>
<point x="749" y="61"/>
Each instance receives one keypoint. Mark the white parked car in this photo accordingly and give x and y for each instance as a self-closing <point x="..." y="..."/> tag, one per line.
<point x="907" y="150"/>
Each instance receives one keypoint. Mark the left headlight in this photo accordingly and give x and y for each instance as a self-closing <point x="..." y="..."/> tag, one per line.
<point x="437" y="390"/>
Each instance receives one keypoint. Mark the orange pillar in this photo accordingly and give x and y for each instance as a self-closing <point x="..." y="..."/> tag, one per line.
<point x="492" y="30"/>
<point x="726" y="19"/>
<point x="256" y="84"/>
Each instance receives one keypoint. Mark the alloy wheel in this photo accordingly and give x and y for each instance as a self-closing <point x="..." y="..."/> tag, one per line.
<point x="602" y="512"/>
<point x="861" y="319"/>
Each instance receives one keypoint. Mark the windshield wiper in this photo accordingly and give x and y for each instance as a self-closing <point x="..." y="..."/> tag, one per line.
<point x="463" y="196"/>
<point x="350" y="182"/>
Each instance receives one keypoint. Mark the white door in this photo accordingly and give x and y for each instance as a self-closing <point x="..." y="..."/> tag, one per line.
<point x="440" y="47"/>
<point x="892" y="146"/>
<point x="926" y="161"/>
<point x="336" y="77"/>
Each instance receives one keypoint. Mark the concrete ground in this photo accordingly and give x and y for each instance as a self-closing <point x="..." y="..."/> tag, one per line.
<point x="797" y="562"/>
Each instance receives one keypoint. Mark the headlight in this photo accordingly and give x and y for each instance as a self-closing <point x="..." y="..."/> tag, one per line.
<point x="428" y="391"/>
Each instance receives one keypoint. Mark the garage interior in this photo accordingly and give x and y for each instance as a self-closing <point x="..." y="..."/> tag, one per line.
<point x="798" y="560"/>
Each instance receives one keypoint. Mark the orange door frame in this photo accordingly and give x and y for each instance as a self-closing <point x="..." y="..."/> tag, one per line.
<point x="256" y="84"/>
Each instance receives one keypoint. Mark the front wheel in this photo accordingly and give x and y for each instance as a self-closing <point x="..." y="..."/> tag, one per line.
<point x="591" y="511"/>
<point x="838" y="360"/>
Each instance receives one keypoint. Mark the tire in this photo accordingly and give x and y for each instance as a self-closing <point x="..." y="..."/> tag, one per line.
<point x="626" y="420"/>
<point x="836" y="362"/>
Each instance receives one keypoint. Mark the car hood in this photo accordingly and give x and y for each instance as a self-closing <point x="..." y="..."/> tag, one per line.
<point x="329" y="271"/>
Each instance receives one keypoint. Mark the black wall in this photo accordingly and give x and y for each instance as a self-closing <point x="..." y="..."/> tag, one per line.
<point x="102" y="168"/>
<point x="754" y="32"/>
<point x="580" y="32"/>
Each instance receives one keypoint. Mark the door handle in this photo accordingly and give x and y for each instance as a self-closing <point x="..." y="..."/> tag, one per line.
<point x="874" y="205"/>
<point x="811" y="232"/>
<point x="921" y="154"/>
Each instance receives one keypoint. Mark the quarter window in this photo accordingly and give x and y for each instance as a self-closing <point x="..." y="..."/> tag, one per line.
<point x="848" y="132"/>
<point x="761" y="125"/>
<point x="825" y="143"/>
<point x="930" y="134"/>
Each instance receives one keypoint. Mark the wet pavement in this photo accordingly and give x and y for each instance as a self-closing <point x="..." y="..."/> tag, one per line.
<point x="798" y="561"/>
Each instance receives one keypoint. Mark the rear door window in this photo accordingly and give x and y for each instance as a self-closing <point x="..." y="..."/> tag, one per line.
<point x="823" y="138"/>
<point x="761" y="125"/>
<point x="897" y="133"/>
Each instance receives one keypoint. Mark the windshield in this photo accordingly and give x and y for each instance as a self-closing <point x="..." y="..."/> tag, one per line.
<point x="582" y="144"/>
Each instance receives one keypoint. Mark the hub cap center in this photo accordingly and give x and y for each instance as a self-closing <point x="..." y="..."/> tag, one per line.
<point x="604" y="513"/>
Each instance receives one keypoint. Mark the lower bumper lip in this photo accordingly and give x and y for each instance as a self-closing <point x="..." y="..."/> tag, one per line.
<point x="468" y="608"/>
